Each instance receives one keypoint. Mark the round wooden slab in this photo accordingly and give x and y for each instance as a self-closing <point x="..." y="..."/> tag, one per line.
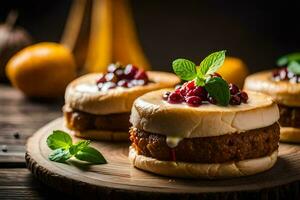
<point x="118" y="179"/>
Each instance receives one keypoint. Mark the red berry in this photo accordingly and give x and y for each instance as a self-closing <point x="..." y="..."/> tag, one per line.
<point x="201" y="92"/>
<point x="101" y="79"/>
<point x="111" y="68"/>
<point x="275" y="73"/>
<point x="130" y="71"/>
<point x="119" y="73"/>
<point x="211" y="100"/>
<point x="123" y="83"/>
<point x="190" y="93"/>
<point x="166" y="95"/>
<point x="108" y="85"/>
<point x="193" y="101"/>
<point x="235" y="100"/>
<point x="190" y="85"/>
<point x="141" y="75"/>
<point x="111" y="77"/>
<point x="244" y="96"/>
<point x="183" y="91"/>
<point x="283" y="74"/>
<point x="233" y="89"/>
<point x="175" y="98"/>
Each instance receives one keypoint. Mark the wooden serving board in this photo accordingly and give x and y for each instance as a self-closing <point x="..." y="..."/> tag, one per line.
<point x="118" y="179"/>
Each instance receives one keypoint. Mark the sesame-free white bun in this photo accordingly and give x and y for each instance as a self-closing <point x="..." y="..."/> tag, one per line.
<point x="152" y="114"/>
<point x="283" y="92"/>
<point x="290" y="134"/>
<point x="82" y="93"/>
<point x="201" y="170"/>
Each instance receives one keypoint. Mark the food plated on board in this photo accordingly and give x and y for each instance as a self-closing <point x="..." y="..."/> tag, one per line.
<point x="97" y="105"/>
<point x="283" y="84"/>
<point x="206" y="128"/>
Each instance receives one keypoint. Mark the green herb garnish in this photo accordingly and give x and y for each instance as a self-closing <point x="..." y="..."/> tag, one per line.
<point x="216" y="87"/>
<point x="64" y="149"/>
<point x="292" y="61"/>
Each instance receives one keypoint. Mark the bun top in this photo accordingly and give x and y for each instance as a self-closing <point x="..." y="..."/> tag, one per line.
<point x="83" y="94"/>
<point x="152" y="114"/>
<point x="283" y="92"/>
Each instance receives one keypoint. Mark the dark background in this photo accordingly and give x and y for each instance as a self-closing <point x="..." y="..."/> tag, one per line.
<point x="256" y="31"/>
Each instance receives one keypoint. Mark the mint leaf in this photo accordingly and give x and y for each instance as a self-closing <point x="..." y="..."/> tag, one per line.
<point x="211" y="63"/>
<point x="218" y="88"/>
<point x="79" y="146"/>
<point x="286" y="59"/>
<point x="60" y="155"/>
<point x="91" y="155"/>
<point x="199" y="81"/>
<point x="59" y="139"/>
<point x="185" y="69"/>
<point x="294" y="67"/>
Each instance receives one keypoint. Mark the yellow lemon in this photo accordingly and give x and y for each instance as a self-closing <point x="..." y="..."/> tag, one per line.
<point x="42" y="70"/>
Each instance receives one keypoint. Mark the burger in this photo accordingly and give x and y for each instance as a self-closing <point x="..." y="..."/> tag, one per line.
<point x="283" y="84"/>
<point x="209" y="130"/>
<point x="97" y="105"/>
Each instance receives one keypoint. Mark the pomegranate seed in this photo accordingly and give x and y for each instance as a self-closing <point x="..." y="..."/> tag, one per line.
<point x="201" y="92"/>
<point x="177" y="87"/>
<point x="141" y="75"/>
<point x="190" y="85"/>
<point x="235" y="100"/>
<point x="101" y="79"/>
<point x="244" y="96"/>
<point x="191" y="93"/>
<point x="119" y="73"/>
<point x="233" y="89"/>
<point x="290" y="75"/>
<point x="166" y="95"/>
<point x="212" y="100"/>
<point x="111" y="68"/>
<point x="108" y="85"/>
<point x="111" y="77"/>
<point x="130" y="71"/>
<point x="283" y="74"/>
<point x="183" y="91"/>
<point x="175" y="98"/>
<point x="275" y="73"/>
<point x="193" y="101"/>
<point x="123" y="83"/>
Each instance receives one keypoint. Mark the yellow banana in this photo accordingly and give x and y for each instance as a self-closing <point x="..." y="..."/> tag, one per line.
<point x="100" y="44"/>
<point x="126" y="46"/>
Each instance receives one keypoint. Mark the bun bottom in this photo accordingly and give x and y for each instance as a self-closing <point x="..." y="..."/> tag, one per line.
<point x="200" y="170"/>
<point x="290" y="134"/>
<point x="102" y="135"/>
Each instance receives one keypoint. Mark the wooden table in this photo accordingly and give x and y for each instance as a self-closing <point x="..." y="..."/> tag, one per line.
<point x="19" y="119"/>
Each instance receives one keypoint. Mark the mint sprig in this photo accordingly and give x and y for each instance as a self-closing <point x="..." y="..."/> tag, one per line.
<point x="64" y="149"/>
<point x="292" y="61"/>
<point x="211" y="63"/>
<point x="184" y="68"/>
<point x="286" y="59"/>
<point x="216" y="87"/>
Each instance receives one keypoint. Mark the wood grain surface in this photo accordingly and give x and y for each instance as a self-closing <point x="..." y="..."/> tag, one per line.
<point x="19" y="119"/>
<point x="118" y="177"/>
